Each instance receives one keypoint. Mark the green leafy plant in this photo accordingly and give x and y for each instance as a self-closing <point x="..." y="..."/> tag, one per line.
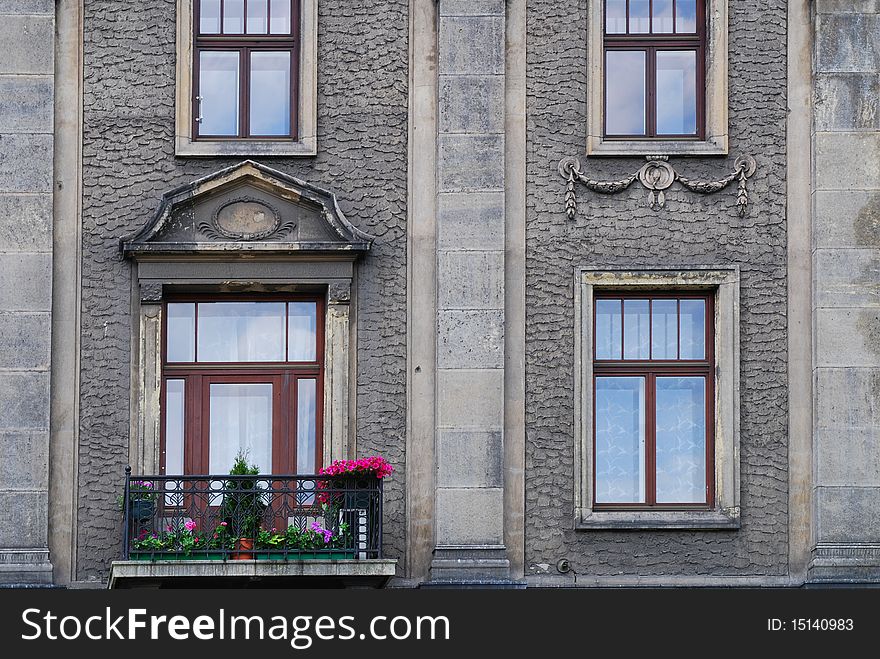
<point x="269" y="540"/>
<point x="316" y="537"/>
<point x="138" y="491"/>
<point x="243" y="503"/>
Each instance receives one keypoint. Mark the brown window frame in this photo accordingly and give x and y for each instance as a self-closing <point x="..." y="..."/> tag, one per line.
<point x="650" y="369"/>
<point x="245" y="44"/>
<point x="651" y="43"/>
<point x="284" y="376"/>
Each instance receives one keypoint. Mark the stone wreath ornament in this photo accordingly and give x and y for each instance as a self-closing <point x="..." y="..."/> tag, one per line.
<point x="657" y="175"/>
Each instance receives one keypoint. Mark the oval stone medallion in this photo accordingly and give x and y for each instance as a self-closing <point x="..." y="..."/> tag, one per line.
<point x="246" y="219"/>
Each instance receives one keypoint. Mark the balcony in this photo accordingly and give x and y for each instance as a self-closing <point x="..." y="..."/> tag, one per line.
<point x="251" y="531"/>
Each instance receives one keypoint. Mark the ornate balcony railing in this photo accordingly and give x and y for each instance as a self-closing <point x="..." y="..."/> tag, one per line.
<point x="266" y="517"/>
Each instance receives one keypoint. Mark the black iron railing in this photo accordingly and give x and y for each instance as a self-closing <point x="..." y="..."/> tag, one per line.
<point x="266" y="517"/>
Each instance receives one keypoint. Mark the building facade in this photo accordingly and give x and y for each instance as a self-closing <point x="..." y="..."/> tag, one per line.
<point x="598" y="279"/>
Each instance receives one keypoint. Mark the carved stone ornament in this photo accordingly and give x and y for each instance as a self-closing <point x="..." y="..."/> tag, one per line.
<point x="151" y="291"/>
<point x="657" y="175"/>
<point x="245" y="218"/>
<point x="339" y="292"/>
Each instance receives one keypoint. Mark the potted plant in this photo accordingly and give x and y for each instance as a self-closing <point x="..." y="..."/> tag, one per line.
<point x="271" y="543"/>
<point x="141" y="500"/>
<point x="350" y="493"/>
<point x="243" y="506"/>
<point x="318" y="542"/>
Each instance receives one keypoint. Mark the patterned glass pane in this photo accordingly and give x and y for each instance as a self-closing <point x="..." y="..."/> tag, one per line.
<point x="693" y="329"/>
<point x="664" y="329"/>
<point x="681" y="440"/>
<point x="636" y="330"/>
<point x="620" y="440"/>
<point x="608" y="329"/>
<point x="181" y="344"/>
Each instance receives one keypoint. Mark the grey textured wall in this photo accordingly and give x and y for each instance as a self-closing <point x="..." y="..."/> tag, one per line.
<point x="621" y="230"/>
<point x="128" y="162"/>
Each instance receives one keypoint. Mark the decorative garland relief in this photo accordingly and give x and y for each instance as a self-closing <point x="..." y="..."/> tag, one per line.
<point x="657" y="175"/>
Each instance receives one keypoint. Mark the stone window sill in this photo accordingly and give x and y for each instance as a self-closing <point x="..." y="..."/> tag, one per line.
<point x="189" y="148"/>
<point x="713" y="146"/>
<point x="694" y="520"/>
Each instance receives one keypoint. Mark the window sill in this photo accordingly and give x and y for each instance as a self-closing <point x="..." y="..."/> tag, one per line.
<point x="694" y="520"/>
<point x="186" y="147"/>
<point x="599" y="147"/>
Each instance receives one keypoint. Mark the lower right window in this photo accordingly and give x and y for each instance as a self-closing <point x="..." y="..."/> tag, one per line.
<point x="653" y="369"/>
<point x="657" y="425"/>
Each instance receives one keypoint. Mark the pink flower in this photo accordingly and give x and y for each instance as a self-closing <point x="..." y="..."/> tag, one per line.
<point x="189" y="524"/>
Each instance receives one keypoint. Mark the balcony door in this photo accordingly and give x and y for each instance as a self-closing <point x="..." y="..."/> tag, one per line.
<point x="242" y="375"/>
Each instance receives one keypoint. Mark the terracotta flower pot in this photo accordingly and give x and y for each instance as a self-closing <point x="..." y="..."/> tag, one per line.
<point x="243" y="549"/>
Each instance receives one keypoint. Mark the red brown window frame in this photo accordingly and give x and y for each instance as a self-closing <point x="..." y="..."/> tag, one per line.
<point x="284" y="376"/>
<point x="245" y="44"/>
<point x="650" y="369"/>
<point x="651" y="43"/>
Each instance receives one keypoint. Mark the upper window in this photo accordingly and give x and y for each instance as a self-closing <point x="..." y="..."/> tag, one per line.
<point x="657" y="77"/>
<point x="653" y="370"/>
<point x="242" y="375"/>
<point x="654" y="68"/>
<point x="245" y="55"/>
<point x="246" y="75"/>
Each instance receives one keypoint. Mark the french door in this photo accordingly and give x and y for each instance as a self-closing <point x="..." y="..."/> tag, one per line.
<point x="266" y="400"/>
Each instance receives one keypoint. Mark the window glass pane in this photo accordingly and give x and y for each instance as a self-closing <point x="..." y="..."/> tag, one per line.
<point x="279" y="21"/>
<point x="181" y="344"/>
<point x="270" y="93"/>
<point x="218" y="89"/>
<point x="686" y="16"/>
<point x="174" y="424"/>
<point x="636" y="330"/>
<point x="302" y="331"/>
<point x="209" y="17"/>
<point x="615" y="16"/>
<point x="233" y="17"/>
<point x="662" y="15"/>
<point x="257" y="15"/>
<point x="664" y="329"/>
<point x="681" y="440"/>
<point x="693" y="329"/>
<point x="306" y="399"/>
<point x="639" y="16"/>
<point x="608" y="329"/>
<point x="620" y="440"/>
<point x="676" y="92"/>
<point x="240" y="420"/>
<point x="241" y="332"/>
<point x="625" y="92"/>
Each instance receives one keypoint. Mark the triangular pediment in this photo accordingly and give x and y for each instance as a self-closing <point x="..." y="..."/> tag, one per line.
<point x="248" y="208"/>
